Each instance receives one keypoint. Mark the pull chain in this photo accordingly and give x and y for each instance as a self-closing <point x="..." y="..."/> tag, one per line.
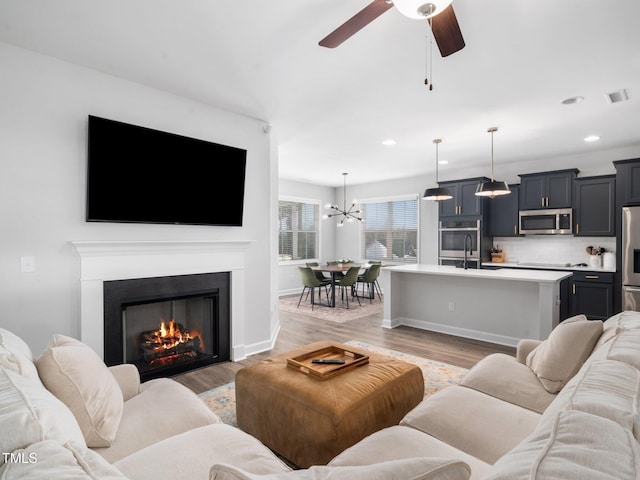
<point x="429" y="56"/>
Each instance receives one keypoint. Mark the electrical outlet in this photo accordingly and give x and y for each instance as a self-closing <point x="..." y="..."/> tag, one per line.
<point x="452" y="306"/>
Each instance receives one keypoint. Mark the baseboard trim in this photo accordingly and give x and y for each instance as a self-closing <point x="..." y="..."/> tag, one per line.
<point x="449" y="330"/>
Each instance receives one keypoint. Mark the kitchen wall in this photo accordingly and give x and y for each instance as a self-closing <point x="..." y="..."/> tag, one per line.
<point x="43" y="126"/>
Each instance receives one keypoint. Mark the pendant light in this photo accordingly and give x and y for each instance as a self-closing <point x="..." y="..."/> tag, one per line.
<point x="494" y="187"/>
<point x="437" y="194"/>
<point x="347" y="215"/>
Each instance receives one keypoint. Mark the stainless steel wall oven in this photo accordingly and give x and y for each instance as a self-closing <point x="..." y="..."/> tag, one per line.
<point x="452" y="236"/>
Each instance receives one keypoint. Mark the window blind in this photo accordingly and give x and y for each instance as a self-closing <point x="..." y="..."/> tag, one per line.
<point x="298" y="230"/>
<point x="390" y="231"/>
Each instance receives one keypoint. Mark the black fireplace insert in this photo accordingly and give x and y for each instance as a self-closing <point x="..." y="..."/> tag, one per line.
<point x="167" y="325"/>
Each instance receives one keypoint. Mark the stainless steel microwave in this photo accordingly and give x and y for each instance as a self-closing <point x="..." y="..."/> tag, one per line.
<point x="555" y="221"/>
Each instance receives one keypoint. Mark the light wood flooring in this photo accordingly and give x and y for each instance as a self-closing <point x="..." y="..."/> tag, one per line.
<point x="298" y="330"/>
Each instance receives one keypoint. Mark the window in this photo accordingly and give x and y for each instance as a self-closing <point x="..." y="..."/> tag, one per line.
<point x="390" y="230"/>
<point x="298" y="230"/>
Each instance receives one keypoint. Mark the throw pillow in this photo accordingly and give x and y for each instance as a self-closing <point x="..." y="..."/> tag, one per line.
<point x="409" y="469"/>
<point x="15" y="355"/>
<point x="560" y="356"/>
<point x="75" y="374"/>
<point x="30" y="413"/>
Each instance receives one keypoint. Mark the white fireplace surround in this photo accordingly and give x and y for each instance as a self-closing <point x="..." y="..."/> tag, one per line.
<point x="102" y="261"/>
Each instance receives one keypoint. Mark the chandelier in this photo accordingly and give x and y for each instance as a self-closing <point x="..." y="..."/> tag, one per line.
<point x="347" y="215"/>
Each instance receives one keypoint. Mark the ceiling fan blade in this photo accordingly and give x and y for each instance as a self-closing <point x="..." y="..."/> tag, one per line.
<point x="447" y="32"/>
<point x="360" y="20"/>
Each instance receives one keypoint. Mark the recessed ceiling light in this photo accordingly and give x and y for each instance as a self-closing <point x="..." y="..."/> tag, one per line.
<point x="572" y="100"/>
<point x="389" y="142"/>
<point x="592" y="138"/>
<point x="443" y="162"/>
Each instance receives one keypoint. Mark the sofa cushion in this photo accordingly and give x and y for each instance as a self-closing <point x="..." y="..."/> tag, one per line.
<point x="51" y="459"/>
<point x="29" y="413"/>
<point x="15" y="355"/>
<point x="191" y="455"/>
<point x="561" y="355"/>
<point x="462" y="417"/>
<point x="572" y="445"/>
<point x="624" y="347"/>
<point x="398" y="442"/>
<point x="163" y="408"/>
<point x="606" y="388"/>
<point x="503" y="377"/>
<point x="75" y="374"/>
<point x="409" y="469"/>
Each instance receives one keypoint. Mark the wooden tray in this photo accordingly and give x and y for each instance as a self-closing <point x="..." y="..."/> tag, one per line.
<point x="303" y="363"/>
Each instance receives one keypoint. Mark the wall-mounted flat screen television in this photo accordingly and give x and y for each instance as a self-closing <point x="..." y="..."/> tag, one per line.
<point x="140" y="175"/>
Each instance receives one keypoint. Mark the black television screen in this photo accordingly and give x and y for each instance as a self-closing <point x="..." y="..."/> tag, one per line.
<point x="139" y="175"/>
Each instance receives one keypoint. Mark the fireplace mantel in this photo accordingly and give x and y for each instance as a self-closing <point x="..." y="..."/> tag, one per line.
<point x="118" y="260"/>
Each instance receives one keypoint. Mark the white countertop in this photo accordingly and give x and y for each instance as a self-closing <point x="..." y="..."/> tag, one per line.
<point x="548" y="267"/>
<point x="523" y="275"/>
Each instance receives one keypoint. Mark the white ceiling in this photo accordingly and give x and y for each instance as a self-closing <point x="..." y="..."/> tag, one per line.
<point x="332" y="108"/>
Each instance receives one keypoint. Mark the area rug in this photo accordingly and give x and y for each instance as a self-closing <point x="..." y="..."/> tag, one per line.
<point x="339" y="314"/>
<point x="437" y="375"/>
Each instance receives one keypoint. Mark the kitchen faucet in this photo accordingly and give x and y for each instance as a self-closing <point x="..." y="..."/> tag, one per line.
<point x="468" y="237"/>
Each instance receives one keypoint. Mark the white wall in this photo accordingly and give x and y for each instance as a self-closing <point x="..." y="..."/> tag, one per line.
<point x="43" y="127"/>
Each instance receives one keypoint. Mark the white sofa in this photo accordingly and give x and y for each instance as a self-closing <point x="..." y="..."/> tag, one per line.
<point x="565" y="408"/>
<point x="531" y="416"/>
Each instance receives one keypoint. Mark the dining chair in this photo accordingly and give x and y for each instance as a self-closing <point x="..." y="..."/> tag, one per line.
<point x="369" y="278"/>
<point x="319" y="275"/>
<point x="310" y="281"/>
<point x="349" y="280"/>
<point x="338" y="274"/>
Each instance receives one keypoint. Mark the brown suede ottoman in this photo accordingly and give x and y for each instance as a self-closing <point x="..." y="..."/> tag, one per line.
<point x="309" y="421"/>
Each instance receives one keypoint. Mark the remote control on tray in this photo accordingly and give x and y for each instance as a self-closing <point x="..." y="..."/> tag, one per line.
<point x="328" y="361"/>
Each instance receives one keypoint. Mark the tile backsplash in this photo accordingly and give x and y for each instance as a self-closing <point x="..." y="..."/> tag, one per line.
<point x="551" y="248"/>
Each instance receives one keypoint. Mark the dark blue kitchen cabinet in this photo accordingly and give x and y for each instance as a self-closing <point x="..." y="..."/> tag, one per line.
<point x="464" y="201"/>
<point x="503" y="216"/>
<point x="628" y="181"/>
<point x="547" y="189"/>
<point x="592" y="294"/>
<point x="594" y="206"/>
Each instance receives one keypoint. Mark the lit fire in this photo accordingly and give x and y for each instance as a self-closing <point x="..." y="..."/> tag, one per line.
<point x="170" y="343"/>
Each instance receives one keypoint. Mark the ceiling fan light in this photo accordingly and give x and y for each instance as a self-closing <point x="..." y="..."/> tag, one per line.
<point x="437" y="194"/>
<point x="492" y="189"/>
<point x="417" y="9"/>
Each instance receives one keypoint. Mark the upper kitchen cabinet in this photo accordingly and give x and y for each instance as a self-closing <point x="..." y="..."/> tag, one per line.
<point x="464" y="201"/>
<point x="547" y="189"/>
<point x="628" y="181"/>
<point x="503" y="219"/>
<point x="594" y="206"/>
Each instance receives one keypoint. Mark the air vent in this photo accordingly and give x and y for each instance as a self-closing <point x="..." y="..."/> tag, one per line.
<point x="619" y="96"/>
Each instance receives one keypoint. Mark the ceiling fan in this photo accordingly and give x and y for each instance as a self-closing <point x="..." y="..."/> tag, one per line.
<point x="444" y="23"/>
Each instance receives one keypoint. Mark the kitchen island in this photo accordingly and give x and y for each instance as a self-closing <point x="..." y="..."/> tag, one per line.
<point x="498" y="306"/>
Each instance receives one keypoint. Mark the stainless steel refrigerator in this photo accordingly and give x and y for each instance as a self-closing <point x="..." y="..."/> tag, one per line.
<point x="631" y="258"/>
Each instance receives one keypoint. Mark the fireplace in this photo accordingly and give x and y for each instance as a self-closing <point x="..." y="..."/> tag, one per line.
<point x="167" y="325"/>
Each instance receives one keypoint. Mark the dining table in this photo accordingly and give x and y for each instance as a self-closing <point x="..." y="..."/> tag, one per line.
<point x="336" y="272"/>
